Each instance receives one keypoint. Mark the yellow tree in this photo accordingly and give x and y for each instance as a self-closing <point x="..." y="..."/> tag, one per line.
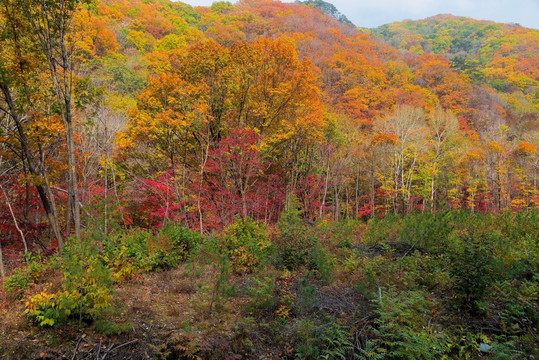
<point x="277" y="94"/>
<point x="443" y="134"/>
<point x="408" y="125"/>
<point x="51" y="24"/>
<point x="25" y="102"/>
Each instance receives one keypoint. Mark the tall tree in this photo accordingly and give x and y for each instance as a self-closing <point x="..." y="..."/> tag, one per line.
<point x="51" y="21"/>
<point x="17" y="70"/>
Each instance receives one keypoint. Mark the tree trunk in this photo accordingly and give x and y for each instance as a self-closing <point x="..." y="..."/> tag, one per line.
<point x="323" y="203"/>
<point x="372" y="190"/>
<point x="204" y="159"/>
<point x="23" y="238"/>
<point x="2" y="270"/>
<point x="72" y="177"/>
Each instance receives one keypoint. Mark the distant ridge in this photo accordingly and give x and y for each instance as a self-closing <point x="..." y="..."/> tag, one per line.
<point x="327" y="9"/>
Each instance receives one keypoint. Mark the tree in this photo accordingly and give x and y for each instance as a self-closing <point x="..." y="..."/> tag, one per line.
<point x="443" y="128"/>
<point x="18" y="74"/>
<point x="277" y="95"/>
<point x="406" y="125"/>
<point x="51" y="22"/>
<point x="236" y="182"/>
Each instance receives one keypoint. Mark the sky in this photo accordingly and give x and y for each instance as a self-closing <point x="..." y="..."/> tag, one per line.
<point x="373" y="13"/>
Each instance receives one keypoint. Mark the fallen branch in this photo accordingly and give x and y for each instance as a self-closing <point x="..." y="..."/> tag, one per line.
<point x="76" y="349"/>
<point x="98" y="351"/>
<point x="118" y="347"/>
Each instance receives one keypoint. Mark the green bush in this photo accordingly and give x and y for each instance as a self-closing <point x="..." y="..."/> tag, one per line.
<point x="294" y="242"/>
<point x="183" y="241"/>
<point x="85" y="290"/>
<point x="341" y="234"/>
<point x="17" y="284"/>
<point x="306" y="299"/>
<point x="130" y="252"/>
<point x="382" y="230"/>
<point x="423" y="271"/>
<point x="318" y="262"/>
<point x="519" y="303"/>
<point x="110" y="328"/>
<point x="261" y="296"/>
<point x="426" y="230"/>
<point x="473" y="268"/>
<point x="246" y="244"/>
<point x="173" y="245"/>
<point x="126" y="253"/>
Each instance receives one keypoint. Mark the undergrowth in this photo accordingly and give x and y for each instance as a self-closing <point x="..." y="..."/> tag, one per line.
<point x="450" y="285"/>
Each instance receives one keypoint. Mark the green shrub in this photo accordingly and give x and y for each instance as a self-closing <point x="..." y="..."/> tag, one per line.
<point x="382" y="230"/>
<point x="423" y="271"/>
<point x="17" y="284"/>
<point x="126" y="253"/>
<point x="110" y="328"/>
<point x="519" y="303"/>
<point x="473" y="268"/>
<point x="318" y="262"/>
<point x="183" y="241"/>
<point x="222" y="287"/>
<point x="85" y="290"/>
<point x="341" y="234"/>
<point x="294" y="242"/>
<point x="130" y="252"/>
<point x="426" y="230"/>
<point x="507" y="348"/>
<point x="261" y="296"/>
<point x="306" y="299"/>
<point x="246" y="244"/>
<point x="172" y="245"/>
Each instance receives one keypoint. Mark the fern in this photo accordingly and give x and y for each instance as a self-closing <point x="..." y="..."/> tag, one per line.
<point x="327" y="340"/>
<point x="370" y="352"/>
<point x="401" y="327"/>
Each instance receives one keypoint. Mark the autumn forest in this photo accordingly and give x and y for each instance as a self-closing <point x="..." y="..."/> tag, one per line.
<point x="265" y="180"/>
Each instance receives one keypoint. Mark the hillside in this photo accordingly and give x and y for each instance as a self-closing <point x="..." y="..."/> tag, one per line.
<point x="265" y="180"/>
<point x="504" y="56"/>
